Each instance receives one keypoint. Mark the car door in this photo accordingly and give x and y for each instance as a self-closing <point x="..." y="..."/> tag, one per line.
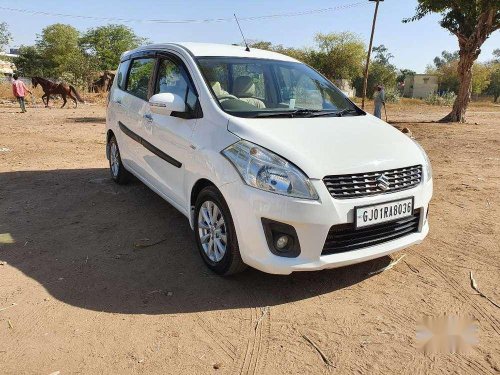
<point x="134" y="106"/>
<point x="172" y="134"/>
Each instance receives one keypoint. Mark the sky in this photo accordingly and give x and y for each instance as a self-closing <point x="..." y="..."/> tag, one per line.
<point x="413" y="45"/>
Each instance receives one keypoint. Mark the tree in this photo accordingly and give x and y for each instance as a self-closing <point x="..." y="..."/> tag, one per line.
<point x="403" y="73"/>
<point x="107" y="43"/>
<point x="338" y="55"/>
<point x="496" y="55"/>
<point x="5" y="36"/>
<point x="494" y="87"/>
<point x="446" y="58"/>
<point x="296" y="53"/>
<point x="30" y="62"/>
<point x="472" y="22"/>
<point x="382" y="54"/>
<point x="481" y="74"/>
<point x="58" y="45"/>
<point x="381" y="72"/>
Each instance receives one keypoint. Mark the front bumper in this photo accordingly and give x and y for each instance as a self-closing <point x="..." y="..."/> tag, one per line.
<point x="312" y="220"/>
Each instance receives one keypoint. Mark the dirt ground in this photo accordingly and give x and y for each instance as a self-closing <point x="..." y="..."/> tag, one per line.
<point x="78" y="296"/>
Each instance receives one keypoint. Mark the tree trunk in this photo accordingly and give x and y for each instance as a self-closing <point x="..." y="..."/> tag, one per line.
<point x="470" y="48"/>
<point x="464" y="90"/>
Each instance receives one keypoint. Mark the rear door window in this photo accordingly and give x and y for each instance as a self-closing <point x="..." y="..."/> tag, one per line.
<point x="121" y="77"/>
<point x="139" y="77"/>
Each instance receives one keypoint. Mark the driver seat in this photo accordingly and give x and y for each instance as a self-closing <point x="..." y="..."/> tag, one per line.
<point x="244" y="89"/>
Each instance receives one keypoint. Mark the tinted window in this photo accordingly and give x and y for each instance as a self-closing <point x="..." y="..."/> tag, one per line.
<point x="173" y="78"/>
<point x="122" y="74"/>
<point x="139" y="76"/>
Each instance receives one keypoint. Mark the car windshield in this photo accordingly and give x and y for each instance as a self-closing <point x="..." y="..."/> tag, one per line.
<point x="248" y="87"/>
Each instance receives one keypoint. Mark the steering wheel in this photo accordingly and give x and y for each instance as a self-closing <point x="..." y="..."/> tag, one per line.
<point x="226" y="97"/>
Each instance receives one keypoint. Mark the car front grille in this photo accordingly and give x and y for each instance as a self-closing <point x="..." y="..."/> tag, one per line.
<point x="373" y="183"/>
<point x="345" y="237"/>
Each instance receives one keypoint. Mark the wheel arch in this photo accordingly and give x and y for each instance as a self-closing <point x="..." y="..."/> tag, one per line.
<point x="198" y="186"/>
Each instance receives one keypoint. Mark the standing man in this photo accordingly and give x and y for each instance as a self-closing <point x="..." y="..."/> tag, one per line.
<point x="19" y="90"/>
<point x="379" y="98"/>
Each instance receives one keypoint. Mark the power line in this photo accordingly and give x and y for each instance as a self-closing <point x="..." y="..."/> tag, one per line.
<point x="207" y="20"/>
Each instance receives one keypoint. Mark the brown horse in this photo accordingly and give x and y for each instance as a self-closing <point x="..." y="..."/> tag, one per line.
<point x="52" y="88"/>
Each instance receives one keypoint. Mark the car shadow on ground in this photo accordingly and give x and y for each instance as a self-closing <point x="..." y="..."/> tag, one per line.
<point x="77" y="234"/>
<point x="100" y="120"/>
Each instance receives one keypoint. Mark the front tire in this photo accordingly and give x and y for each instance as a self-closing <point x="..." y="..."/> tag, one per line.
<point x="215" y="233"/>
<point x="118" y="172"/>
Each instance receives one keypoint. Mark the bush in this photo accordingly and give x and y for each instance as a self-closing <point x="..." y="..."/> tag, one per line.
<point x="392" y="96"/>
<point x="445" y="99"/>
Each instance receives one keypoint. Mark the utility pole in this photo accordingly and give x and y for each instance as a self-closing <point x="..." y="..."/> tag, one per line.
<point x="365" y="81"/>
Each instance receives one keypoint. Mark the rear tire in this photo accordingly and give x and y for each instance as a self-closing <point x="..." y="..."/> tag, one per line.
<point x="118" y="172"/>
<point x="215" y="233"/>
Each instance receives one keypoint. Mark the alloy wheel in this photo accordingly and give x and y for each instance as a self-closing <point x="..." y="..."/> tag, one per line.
<point x="212" y="231"/>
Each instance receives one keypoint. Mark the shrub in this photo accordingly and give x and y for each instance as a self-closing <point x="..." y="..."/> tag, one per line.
<point x="445" y="99"/>
<point x="392" y="96"/>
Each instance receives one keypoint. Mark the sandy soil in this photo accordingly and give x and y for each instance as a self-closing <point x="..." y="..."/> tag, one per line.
<point x="78" y="296"/>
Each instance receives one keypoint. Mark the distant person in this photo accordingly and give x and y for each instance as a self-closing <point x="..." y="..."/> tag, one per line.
<point x="379" y="98"/>
<point x="19" y="90"/>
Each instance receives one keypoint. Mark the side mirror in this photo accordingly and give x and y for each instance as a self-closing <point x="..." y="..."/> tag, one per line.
<point x="166" y="103"/>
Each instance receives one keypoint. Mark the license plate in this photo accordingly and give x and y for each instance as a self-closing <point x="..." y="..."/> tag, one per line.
<point x="383" y="212"/>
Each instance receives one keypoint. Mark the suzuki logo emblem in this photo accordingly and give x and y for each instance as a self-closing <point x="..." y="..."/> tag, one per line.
<point x="383" y="182"/>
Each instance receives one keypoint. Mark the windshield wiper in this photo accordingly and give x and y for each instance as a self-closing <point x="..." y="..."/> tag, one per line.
<point x="346" y="111"/>
<point x="308" y="113"/>
<point x="295" y="113"/>
<point x="340" y="113"/>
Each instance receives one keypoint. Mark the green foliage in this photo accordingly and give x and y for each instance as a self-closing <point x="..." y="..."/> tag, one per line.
<point x="58" y="46"/>
<point x="460" y="17"/>
<point x="107" y="43"/>
<point x="300" y="54"/>
<point x="480" y="78"/>
<point x="446" y="58"/>
<point x="446" y="67"/>
<point x="30" y="62"/>
<point x="494" y="86"/>
<point x="382" y="55"/>
<point x="61" y="53"/>
<point x="338" y="55"/>
<point x="381" y="72"/>
<point x="446" y="99"/>
<point x="5" y="36"/>
<point x="392" y="95"/>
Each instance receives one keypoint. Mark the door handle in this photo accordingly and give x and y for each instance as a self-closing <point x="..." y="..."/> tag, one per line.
<point x="118" y="101"/>
<point x="148" y="117"/>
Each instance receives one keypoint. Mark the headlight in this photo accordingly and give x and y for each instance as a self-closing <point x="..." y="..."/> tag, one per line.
<point x="267" y="171"/>
<point x="427" y="166"/>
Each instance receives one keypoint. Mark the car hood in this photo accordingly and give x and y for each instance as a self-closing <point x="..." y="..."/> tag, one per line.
<point x="325" y="146"/>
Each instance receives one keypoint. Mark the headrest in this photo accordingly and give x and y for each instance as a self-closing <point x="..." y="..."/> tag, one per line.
<point x="244" y="87"/>
<point x="217" y="88"/>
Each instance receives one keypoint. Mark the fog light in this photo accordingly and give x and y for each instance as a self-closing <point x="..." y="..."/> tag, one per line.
<point x="282" y="242"/>
<point x="281" y="238"/>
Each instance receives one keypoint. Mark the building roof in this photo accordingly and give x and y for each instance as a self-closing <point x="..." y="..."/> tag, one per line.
<point x="212" y="49"/>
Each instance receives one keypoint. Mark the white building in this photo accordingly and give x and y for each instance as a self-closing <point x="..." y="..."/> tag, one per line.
<point x="420" y="86"/>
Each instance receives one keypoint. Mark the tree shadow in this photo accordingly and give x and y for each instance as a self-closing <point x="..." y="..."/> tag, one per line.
<point x="75" y="231"/>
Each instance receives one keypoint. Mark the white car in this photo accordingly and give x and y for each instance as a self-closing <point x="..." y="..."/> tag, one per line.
<point x="273" y="166"/>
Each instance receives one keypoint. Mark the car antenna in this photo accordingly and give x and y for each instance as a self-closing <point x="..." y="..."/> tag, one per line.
<point x="243" y="36"/>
